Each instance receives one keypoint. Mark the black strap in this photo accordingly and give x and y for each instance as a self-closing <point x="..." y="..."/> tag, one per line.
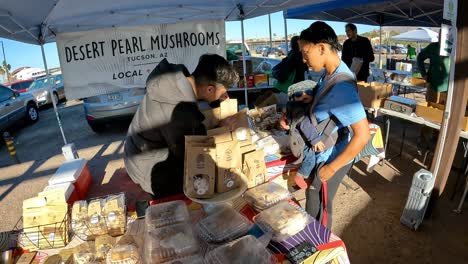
<point x="327" y="126"/>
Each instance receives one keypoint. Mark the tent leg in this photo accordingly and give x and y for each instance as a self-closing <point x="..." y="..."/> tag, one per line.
<point x="54" y="103"/>
<point x="244" y="65"/>
<point x="380" y="48"/>
<point x="269" y="23"/>
<point x="286" y="35"/>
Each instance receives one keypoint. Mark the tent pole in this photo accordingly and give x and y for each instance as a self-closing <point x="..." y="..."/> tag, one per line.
<point x="269" y="23"/>
<point x="244" y="64"/>
<point x="380" y="48"/>
<point x="286" y="35"/>
<point x="54" y="103"/>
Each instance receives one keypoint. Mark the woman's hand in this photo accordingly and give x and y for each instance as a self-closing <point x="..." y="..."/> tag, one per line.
<point x="283" y="122"/>
<point x="326" y="172"/>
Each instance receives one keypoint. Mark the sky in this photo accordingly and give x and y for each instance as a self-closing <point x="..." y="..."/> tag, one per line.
<point x="20" y="54"/>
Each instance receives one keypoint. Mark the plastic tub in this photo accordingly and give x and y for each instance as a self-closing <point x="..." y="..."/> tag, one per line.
<point x="243" y="250"/>
<point x="225" y="225"/>
<point x="123" y="254"/>
<point x="164" y="214"/>
<point x="170" y="243"/>
<point x="266" y="195"/>
<point x="283" y="220"/>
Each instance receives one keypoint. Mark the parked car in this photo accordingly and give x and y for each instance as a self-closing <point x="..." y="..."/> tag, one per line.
<point x="259" y="49"/>
<point x="236" y="47"/>
<point x="19" y="86"/>
<point x="268" y="51"/>
<point x="103" y="109"/>
<point x="42" y="87"/>
<point x="15" y="106"/>
<point x="381" y="50"/>
<point x="399" y="50"/>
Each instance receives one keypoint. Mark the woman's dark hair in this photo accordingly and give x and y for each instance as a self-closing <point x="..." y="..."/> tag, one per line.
<point x="351" y="26"/>
<point x="295" y="43"/>
<point x="212" y="69"/>
<point x="321" y="32"/>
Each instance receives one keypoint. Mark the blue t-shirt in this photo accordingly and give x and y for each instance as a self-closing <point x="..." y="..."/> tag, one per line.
<point x="343" y="102"/>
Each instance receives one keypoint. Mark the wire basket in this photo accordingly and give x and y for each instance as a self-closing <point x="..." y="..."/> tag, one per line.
<point x="112" y="223"/>
<point x="53" y="235"/>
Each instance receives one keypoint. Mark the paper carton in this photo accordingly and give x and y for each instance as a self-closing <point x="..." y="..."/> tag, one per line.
<point x="373" y="94"/>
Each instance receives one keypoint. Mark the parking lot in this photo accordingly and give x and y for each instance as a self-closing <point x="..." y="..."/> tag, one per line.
<point x="39" y="150"/>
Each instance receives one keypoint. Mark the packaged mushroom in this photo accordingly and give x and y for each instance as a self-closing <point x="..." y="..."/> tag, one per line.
<point x="243" y="250"/>
<point x="79" y="220"/>
<point x="200" y="167"/>
<point x="97" y="222"/>
<point x="103" y="244"/>
<point x="225" y="225"/>
<point x="84" y="253"/>
<point x="115" y="213"/>
<point x="266" y="195"/>
<point x="164" y="214"/>
<point x="283" y="220"/>
<point x="195" y="259"/>
<point x="169" y="243"/>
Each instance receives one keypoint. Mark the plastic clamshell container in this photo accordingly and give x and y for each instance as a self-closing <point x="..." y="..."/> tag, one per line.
<point x="170" y="243"/>
<point x="243" y="250"/>
<point x="164" y="214"/>
<point x="266" y="195"/>
<point x="283" y="220"/>
<point x="195" y="259"/>
<point x="224" y="225"/>
<point x="123" y="254"/>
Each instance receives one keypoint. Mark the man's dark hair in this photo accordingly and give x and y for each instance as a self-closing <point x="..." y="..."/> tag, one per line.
<point x="212" y="69"/>
<point x="295" y="43"/>
<point x="320" y="32"/>
<point x="351" y="26"/>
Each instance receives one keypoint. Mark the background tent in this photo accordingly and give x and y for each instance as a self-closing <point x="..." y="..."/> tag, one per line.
<point x="418" y="35"/>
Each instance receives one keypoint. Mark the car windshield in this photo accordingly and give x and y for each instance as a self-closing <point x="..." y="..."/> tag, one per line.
<point x="40" y="83"/>
<point x="233" y="46"/>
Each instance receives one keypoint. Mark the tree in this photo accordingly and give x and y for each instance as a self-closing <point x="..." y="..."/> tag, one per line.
<point x="5" y="69"/>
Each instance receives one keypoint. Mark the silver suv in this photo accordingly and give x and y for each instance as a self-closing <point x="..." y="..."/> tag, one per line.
<point x="15" y="106"/>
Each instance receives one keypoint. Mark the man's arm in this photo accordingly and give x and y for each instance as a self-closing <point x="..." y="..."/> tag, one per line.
<point x="369" y="51"/>
<point x="346" y="55"/>
<point x="186" y="120"/>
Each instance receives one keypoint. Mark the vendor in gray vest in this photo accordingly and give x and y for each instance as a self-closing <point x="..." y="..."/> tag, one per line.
<point x="154" y="147"/>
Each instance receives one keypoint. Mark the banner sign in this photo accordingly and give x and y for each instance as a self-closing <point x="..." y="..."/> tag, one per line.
<point x="105" y="61"/>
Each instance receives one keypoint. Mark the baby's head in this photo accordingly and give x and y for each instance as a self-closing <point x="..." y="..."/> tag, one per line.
<point x="302" y="91"/>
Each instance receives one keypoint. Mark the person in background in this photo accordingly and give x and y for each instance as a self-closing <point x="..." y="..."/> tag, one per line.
<point x="293" y="61"/>
<point x="437" y="76"/>
<point x="411" y="53"/>
<point x="155" y="143"/>
<point x="319" y="45"/>
<point x="357" y="47"/>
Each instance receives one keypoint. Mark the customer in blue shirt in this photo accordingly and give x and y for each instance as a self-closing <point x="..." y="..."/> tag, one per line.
<point x="320" y="46"/>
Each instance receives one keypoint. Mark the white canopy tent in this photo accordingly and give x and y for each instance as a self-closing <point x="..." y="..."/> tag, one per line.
<point x="418" y="35"/>
<point x="38" y="22"/>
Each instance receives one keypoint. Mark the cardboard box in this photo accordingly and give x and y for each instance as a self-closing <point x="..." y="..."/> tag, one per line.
<point x="254" y="168"/>
<point x="213" y="116"/>
<point x="435" y="112"/>
<point x="400" y="104"/>
<point x="200" y="167"/>
<point x="220" y="135"/>
<point x="373" y="94"/>
<point x="241" y="131"/>
<point x="418" y="82"/>
<point x="261" y="80"/>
